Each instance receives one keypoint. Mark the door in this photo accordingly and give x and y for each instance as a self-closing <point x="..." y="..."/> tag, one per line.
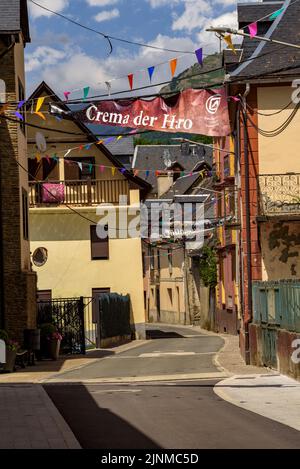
<point x="158" y="303"/>
<point x="96" y="293"/>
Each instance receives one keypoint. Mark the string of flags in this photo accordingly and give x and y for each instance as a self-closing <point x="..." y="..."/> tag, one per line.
<point x="252" y="28"/>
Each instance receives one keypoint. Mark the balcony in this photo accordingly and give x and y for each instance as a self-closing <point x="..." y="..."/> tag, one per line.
<point x="279" y="194"/>
<point x="79" y="193"/>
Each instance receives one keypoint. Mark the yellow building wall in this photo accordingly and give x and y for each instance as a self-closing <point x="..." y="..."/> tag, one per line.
<point x="278" y="154"/>
<point x="69" y="270"/>
<point x="280" y="241"/>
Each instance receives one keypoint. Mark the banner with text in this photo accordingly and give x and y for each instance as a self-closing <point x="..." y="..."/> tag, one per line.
<point x="202" y="112"/>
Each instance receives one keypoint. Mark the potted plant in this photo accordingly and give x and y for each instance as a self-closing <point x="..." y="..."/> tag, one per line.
<point x="12" y="347"/>
<point x="50" y="341"/>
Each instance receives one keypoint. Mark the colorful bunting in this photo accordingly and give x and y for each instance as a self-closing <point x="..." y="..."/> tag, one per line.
<point x="119" y="137"/>
<point x="99" y="142"/>
<point x="19" y="116"/>
<point x="80" y="165"/>
<point x="252" y="29"/>
<point x="234" y="98"/>
<point x="21" y="103"/>
<point x="173" y="65"/>
<point x="86" y="91"/>
<point x="123" y="170"/>
<point x="90" y="167"/>
<point x="88" y="146"/>
<point x="39" y="104"/>
<point x="228" y="40"/>
<point x="147" y="173"/>
<point x="67" y="94"/>
<point x="136" y="172"/>
<point x="67" y="153"/>
<point x="130" y="80"/>
<point x="150" y="72"/>
<point x="199" y="55"/>
<point x="276" y="14"/>
<point x="102" y="168"/>
<point x="157" y="173"/>
<point x="113" y="170"/>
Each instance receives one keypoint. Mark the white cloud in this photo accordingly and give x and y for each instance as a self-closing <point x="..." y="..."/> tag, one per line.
<point x="107" y="15"/>
<point x="73" y="68"/>
<point x="209" y="40"/>
<point x="55" y="5"/>
<point x="194" y="15"/>
<point x="43" y="56"/>
<point x="101" y="3"/>
<point x="161" y="3"/>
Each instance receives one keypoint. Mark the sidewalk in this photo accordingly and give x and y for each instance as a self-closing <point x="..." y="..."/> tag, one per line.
<point x="29" y="420"/>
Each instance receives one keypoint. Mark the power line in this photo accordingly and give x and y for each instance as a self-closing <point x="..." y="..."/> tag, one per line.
<point x="108" y="37"/>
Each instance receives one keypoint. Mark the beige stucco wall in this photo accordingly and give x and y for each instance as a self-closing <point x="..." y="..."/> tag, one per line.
<point x="278" y="154"/>
<point x="70" y="271"/>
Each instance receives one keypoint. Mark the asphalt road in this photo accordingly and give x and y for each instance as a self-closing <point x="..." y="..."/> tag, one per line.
<point x="174" y="414"/>
<point x="172" y="351"/>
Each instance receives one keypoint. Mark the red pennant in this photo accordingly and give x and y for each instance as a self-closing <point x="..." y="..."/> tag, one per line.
<point x="130" y="79"/>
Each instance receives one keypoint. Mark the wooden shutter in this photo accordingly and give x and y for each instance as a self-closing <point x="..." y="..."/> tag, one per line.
<point x="99" y="247"/>
<point x="50" y="170"/>
<point x="71" y="172"/>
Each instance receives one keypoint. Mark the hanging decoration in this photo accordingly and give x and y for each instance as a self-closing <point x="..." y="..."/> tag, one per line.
<point x="252" y="29"/>
<point x="276" y="14"/>
<point x="86" y="91"/>
<point x="67" y="94"/>
<point x="39" y="104"/>
<point x="130" y="80"/>
<point x="173" y="65"/>
<point x="228" y="39"/>
<point x="199" y="55"/>
<point x="150" y="72"/>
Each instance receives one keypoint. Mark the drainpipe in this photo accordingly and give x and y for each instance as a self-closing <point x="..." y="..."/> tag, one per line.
<point x="248" y="227"/>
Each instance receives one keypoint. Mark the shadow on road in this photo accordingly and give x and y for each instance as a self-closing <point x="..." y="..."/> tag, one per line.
<point x="94" y="426"/>
<point x="159" y="334"/>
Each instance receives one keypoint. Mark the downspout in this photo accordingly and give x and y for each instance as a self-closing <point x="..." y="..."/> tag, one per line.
<point x="239" y="269"/>
<point x="248" y="227"/>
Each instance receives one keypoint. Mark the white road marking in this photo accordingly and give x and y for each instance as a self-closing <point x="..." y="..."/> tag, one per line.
<point x="103" y="391"/>
<point x="166" y="354"/>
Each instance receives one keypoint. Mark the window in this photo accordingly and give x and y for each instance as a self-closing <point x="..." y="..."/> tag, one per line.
<point x="25" y="213"/>
<point x="22" y="109"/>
<point x="2" y="92"/>
<point x="170" y="293"/>
<point x="99" y="246"/>
<point x="170" y="261"/>
<point x="75" y="173"/>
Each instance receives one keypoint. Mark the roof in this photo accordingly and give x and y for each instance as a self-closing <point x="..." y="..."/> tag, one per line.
<point x="122" y="147"/>
<point x="162" y="157"/>
<point x="250" y="12"/>
<point x="14" y="18"/>
<point x="286" y="27"/>
<point x="45" y="88"/>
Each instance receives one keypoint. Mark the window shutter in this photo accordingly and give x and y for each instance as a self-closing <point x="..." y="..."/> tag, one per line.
<point x="99" y="247"/>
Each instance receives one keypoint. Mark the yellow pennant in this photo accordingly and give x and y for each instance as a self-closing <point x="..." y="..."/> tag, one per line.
<point x="119" y="138"/>
<point x="228" y="40"/>
<point x="99" y="142"/>
<point x="38" y="157"/>
<point x="113" y="170"/>
<point x="39" y="104"/>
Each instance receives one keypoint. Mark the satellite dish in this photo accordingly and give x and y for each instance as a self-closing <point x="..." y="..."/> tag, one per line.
<point x="40" y="257"/>
<point x="40" y="142"/>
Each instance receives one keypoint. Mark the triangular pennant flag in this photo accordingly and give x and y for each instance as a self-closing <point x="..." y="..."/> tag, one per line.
<point x="110" y="139"/>
<point x="101" y="168"/>
<point x="181" y="173"/>
<point x="67" y="153"/>
<point x="234" y="98"/>
<point x="113" y="170"/>
<point x="48" y="159"/>
<point x="39" y="104"/>
<point x="173" y="65"/>
<point x="80" y="165"/>
<point x="55" y="157"/>
<point x="147" y="173"/>
<point x="20" y="104"/>
<point x="130" y="80"/>
<point x="88" y="146"/>
<point x="99" y="142"/>
<point x="19" y="116"/>
<point x="119" y="137"/>
<point x="38" y="157"/>
<point x="90" y="167"/>
<point x="199" y="55"/>
<point x="81" y="147"/>
<point x="123" y="170"/>
<point x="86" y="91"/>
<point x="136" y="172"/>
<point x="108" y="87"/>
<point x="150" y="72"/>
<point x="191" y="173"/>
<point x="252" y="29"/>
<point x="67" y="94"/>
<point x="229" y="43"/>
<point x="157" y="173"/>
<point x="275" y="14"/>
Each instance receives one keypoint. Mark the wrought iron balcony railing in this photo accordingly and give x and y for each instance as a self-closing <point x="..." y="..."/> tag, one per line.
<point x="83" y="192"/>
<point x="279" y="194"/>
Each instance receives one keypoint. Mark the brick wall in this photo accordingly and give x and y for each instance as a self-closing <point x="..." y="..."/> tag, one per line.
<point x="19" y="287"/>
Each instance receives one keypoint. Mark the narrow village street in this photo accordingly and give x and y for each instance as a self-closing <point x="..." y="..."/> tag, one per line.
<point x="151" y="409"/>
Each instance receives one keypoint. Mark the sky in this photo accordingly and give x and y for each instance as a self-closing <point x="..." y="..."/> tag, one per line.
<point x="68" y="57"/>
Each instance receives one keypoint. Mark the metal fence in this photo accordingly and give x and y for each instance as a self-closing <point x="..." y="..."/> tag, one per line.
<point x="277" y="303"/>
